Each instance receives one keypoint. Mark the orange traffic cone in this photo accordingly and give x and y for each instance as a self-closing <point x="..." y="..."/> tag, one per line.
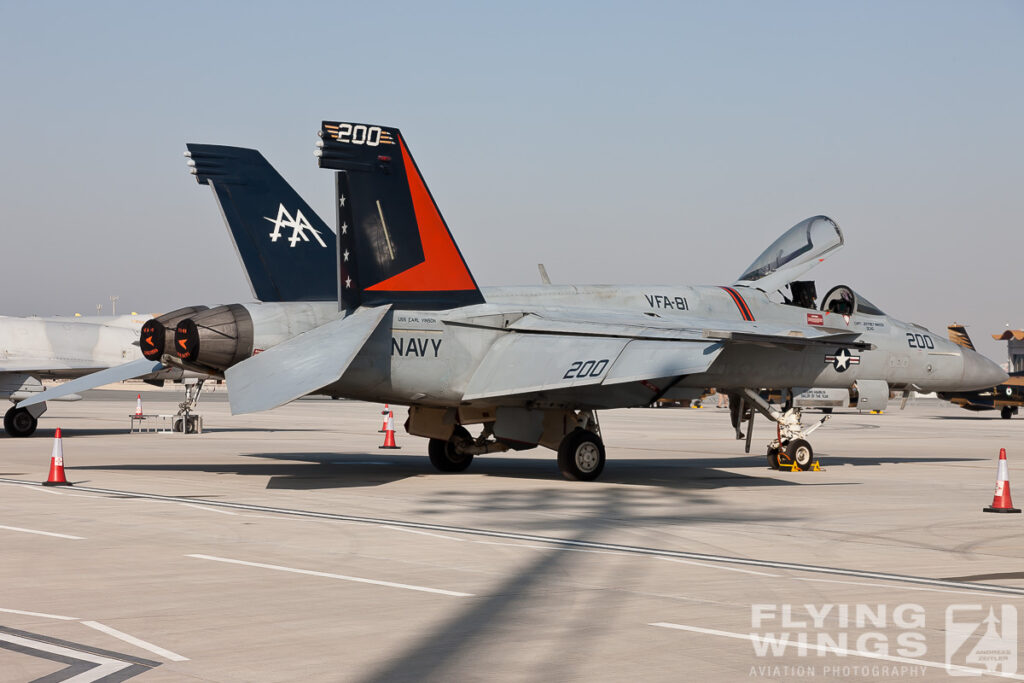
<point x="56" y="477"/>
<point x="389" y="435"/>
<point x="138" y="406"/>
<point x="384" y="427"/>
<point x="1001" y="502"/>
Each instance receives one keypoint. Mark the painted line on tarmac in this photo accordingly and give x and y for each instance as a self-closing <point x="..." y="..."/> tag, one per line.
<point x="779" y="645"/>
<point x="39" y="614"/>
<point x="137" y="642"/>
<point x="41" y="533"/>
<point x="35" y="488"/>
<point x="84" y="664"/>
<point x="207" y="508"/>
<point x="568" y="543"/>
<point x="342" y="577"/>
<point x="881" y="585"/>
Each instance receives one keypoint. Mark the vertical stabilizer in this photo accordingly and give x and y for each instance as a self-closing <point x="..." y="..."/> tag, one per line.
<point x="287" y="250"/>
<point x="958" y="335"/>
<point x="393" y="244"/>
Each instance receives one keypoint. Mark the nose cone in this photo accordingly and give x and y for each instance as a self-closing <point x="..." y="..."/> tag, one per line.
<point x="980" y="372"/>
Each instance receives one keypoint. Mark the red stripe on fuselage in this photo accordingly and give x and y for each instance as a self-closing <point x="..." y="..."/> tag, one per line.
<point x="740" y="303"/>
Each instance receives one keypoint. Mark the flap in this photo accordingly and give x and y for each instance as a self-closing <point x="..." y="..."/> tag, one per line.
<point x="302" y="364"/>
<point x="524" y="363"/>
<point x="642" y="359"/>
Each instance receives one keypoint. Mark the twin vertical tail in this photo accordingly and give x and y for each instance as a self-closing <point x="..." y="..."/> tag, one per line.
<point x="958" y="335"/>
<point x="287" y="250"/>
<point x="393" y="244"/>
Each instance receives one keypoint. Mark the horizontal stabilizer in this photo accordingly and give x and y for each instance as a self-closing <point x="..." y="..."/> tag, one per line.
<point x="302" y="364"/>
<point x="118" y="373"/>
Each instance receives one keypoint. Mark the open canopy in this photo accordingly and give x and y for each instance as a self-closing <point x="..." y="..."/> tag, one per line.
<point x="794" y="253"/>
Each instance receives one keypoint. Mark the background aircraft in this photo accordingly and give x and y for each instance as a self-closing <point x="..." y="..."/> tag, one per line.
<point x="532" y="365"/>
<point x="288" y="256"/>
<point x="1007" y="397"/>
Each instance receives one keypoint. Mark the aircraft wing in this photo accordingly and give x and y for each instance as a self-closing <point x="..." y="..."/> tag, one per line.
<point x="118" y="373"/>
<point x="561" y="349"/>
<point x="47" y="365"/>
<point x="302" y="364"/>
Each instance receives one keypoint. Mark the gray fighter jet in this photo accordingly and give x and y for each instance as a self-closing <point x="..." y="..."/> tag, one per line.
<point x="531" y="366"/>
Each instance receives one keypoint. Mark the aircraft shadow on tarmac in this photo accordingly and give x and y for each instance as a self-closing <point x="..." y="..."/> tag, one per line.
<point x="320" y="470"/>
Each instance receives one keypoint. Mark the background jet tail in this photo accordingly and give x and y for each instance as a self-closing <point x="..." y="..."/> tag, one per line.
<point x="958" y="335"/>
<point x="287" y="250"/>
<point x="393" y="244"/>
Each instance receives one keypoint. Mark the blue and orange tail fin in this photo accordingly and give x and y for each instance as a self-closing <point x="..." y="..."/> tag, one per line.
<point x="393" y="244"/>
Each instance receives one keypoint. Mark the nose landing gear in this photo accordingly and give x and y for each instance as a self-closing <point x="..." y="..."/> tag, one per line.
<point x="790" y="444"/>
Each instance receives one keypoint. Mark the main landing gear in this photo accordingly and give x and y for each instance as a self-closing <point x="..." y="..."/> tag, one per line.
<point x="581" y="454"/>
<point x="790" y="444"/>
<point x="187" y="419"/>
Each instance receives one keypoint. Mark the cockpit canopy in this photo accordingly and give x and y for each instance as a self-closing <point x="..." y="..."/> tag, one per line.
<point x="798" y="250"/>
<point x="845" y="301"/>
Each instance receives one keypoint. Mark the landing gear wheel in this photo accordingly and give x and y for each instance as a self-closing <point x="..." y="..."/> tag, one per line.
<point x="446" y="456"/>
<point x="773" y="458"/>
<point x="1006" y="413"/>
<point x="19" y="422"/>
<point x="801" y="453"/>
<point x="581" y="455"/>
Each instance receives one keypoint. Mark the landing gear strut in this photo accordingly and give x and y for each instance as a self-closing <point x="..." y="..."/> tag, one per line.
<point x="186" y="419"/>
<point x="20" y="422"/>
<point x="790" y="443"/>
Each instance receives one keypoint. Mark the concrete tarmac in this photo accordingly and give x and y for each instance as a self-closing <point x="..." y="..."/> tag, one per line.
<point x="286" y="546"/>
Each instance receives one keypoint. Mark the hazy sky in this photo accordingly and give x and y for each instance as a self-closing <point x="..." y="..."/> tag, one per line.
<point x="614" y="142"/>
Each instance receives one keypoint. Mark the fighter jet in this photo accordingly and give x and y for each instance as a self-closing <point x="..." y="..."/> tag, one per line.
<point x="1007" y="397"/>
<point x="287" y="252"/>
<point x="532" y="366"/>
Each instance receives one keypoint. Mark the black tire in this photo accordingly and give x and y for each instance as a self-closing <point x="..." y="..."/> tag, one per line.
<point x="581" y="456"/>
<point x="801" y="453"/>
<point x="445" y="455"/>
<point x="1006" y="413"/>
<point x="773" y="459"/>
<point x="176" y="424"/>
<point x="191" y="424"/>
<point x="18" y="422"/>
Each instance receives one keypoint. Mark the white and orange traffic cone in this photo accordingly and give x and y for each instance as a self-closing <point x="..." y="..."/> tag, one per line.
<point x="389" y="434"/>
<point x="384" y="427"/>
<point x="56" y="477"/>
<point x="138" y="406"/>
<point x="1001" y="501"/>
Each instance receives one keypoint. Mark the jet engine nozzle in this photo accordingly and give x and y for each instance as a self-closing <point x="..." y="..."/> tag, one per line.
<point x="154" y="340"/>
<point x="215" y="339"/>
